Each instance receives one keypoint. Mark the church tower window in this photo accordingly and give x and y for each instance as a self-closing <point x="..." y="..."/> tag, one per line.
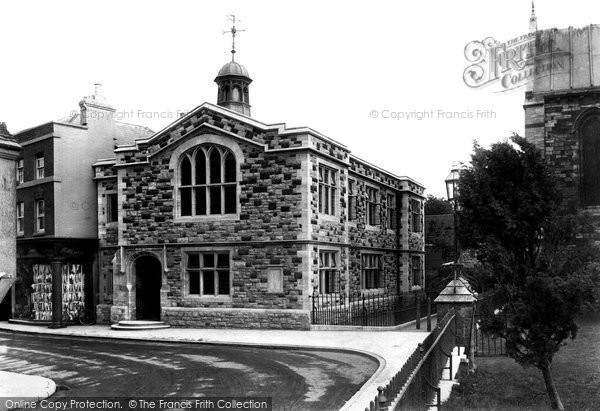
<point x="589" y="132"/>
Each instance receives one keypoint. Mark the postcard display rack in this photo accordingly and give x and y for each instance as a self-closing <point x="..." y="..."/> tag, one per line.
<point x="72" y="288"/>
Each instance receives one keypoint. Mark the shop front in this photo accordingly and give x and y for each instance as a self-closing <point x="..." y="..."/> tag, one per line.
<point x="35" y="292"/>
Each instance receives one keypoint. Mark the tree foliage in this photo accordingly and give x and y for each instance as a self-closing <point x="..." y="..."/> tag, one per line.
<point x="437" y="206"/>
<point x="538" y="270"/>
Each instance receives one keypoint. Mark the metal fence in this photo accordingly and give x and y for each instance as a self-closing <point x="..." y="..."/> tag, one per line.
<point x="488" y="344"/>
<point x="415" y="386"/>
<point x="373" y="310"/>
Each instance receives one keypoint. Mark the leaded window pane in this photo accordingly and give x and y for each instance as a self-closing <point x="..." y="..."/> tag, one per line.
<point x="215" y="166"/>
<point x="186" y="172"/>
<point x="200" y="167"/>
<point x="215" y="200"/>
<point x="230" y="169"/>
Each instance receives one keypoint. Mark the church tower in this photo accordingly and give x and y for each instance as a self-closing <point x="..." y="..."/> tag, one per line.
<point x="532" y="19"/>
<point x="234" y="81"/>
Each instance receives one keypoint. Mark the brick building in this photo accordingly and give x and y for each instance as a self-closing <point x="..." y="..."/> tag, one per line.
<point x="56" y="206"/>
<point x="222" y="220"/>
<point x="562" y="110"/>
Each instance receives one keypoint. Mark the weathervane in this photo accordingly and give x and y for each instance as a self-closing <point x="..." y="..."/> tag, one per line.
<point x="233" y="31"/>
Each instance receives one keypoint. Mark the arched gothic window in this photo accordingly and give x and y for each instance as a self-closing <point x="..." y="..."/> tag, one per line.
<point x="207" y="183"/>
<point x="589" y="132"/>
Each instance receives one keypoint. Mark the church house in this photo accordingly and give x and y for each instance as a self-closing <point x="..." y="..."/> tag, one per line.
<point x="220" y="220"/>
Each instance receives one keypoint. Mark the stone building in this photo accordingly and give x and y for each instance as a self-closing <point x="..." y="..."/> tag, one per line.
<point x="56" y="212"/>
<point x="562" y="110"/>
<point x="9" y="152"/>
<point x="223" y="220"/>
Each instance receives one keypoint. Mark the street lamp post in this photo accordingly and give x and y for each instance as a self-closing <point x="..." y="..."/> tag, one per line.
<point x="452" y="192"/>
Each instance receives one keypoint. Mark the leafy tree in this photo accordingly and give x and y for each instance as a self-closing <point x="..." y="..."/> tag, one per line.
<point x="437" y="206"/>
<point x="537" y="268"/>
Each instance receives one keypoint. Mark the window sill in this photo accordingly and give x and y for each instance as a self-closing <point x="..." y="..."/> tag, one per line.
<point x="372" y="291"/>
<point x="209" y="298"/>
<point x="416" y="288"/>
<point x="39" y="233"/>
<point x="207" y="218"/>
<point x="370" y="227"/>
<point x="329" y="217"/>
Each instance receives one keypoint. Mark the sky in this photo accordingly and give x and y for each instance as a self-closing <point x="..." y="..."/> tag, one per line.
<point x="354" y="71"/>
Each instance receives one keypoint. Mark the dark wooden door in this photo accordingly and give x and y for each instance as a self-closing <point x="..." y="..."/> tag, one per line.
<point x="148" y="274"/>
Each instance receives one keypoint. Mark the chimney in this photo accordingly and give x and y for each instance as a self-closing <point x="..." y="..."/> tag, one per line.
<point x="97" y="114"/>
<point x="96" y="103"/>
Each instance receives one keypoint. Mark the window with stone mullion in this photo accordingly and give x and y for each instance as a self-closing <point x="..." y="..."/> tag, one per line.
<point x="372" y="199"/>
<point x="417" y="214"/>
<point x="329" y="272"/>
<point x="208" y="273"/>
<point x="371" y="268"/>
<point x="208" y="182"/>
<point x="327" y="190"/>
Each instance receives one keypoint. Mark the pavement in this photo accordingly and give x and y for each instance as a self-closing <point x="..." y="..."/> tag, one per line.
<point x="391" y="347"/>
<point x="33" y="387"/>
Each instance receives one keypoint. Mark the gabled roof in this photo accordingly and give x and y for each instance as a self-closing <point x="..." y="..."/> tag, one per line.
<point x="280" y="128"/>
<point x="457" y="291"/>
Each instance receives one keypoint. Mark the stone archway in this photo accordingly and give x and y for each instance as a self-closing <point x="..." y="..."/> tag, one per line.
<point x="148" y="282"/>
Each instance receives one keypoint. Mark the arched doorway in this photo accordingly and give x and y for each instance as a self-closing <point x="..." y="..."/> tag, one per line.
<point x="148" y="281"/>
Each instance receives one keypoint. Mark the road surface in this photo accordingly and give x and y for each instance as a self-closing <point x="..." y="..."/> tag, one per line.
<point x="295" y="379"/>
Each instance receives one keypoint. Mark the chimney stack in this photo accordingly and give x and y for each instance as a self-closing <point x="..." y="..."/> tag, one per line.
<point x="95" y="109"/>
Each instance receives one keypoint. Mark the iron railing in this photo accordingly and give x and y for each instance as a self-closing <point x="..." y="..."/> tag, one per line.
<point x="415" y="386"/>
<point x="372" y="310"/>
<point x="488" y="344"/>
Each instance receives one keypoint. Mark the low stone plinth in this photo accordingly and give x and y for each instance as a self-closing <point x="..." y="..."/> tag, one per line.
<point x="236" y="318"/>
